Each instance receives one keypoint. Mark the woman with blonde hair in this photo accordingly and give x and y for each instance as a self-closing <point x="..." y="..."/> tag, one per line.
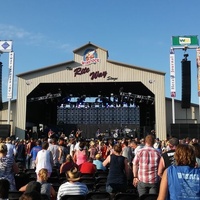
<point x="181" y="181"/>
<point x="46" y="188"/>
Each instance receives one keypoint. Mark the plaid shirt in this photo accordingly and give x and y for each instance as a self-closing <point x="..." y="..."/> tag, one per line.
<point x="147" y="160"/>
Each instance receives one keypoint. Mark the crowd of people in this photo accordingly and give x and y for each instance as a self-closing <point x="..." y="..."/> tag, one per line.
<point x="169" y="169"/>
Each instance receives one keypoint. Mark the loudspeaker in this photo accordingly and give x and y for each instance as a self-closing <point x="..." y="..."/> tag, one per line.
<point x="5" y="130"/>
<point x="186" y="84"/>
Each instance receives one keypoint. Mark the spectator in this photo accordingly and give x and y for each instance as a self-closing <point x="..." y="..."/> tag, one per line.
<point x="67" y="165"/>
<point x="72" y="186"/>
<point x="88" y="167"/>
<point x="81" y="154"/>
<point x="44" y="159"/>
<point x="44" y="188"/>
<point x="92" y="150"/>
<point x="181" y="181"/>
<point x="98" y="162"/>
<point x="126" y="151"/>
<point x="56" y="152"/>
<point x="118" y="171"/>
<point x="31" y="186"/>
<point x="21" y="153"/>
<point x="8" y="167"/>
<point x="135" y="145"/>
<point x="11" y="150"/>
<point x="71" y="146"/>
<point x="34" y="152"/>
<point x="4" y="188"/>
<point x="197" y="153"/>
<point x="29" y="146"/>
<point x="63" y="151"/>
<point x="33" y="195"/>
<point x="167" y="158"/>
<point x="145" y="168"/>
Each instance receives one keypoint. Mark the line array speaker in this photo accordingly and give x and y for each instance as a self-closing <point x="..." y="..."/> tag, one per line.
<point x="186" y="84"/>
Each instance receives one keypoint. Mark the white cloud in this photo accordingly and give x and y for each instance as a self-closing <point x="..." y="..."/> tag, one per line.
<point x="10" y="32"/>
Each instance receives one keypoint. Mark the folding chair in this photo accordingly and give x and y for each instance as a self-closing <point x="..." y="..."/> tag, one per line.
<point x="148" y="197"/>
<point x="126" y="196"/>
<point x="73" y="197"/>
<point x="98" y="196"/>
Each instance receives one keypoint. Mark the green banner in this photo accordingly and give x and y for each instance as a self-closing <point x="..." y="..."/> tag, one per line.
<point x="190" y="40"/>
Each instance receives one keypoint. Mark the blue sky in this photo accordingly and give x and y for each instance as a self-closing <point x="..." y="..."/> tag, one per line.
<point x="136" y="32"/>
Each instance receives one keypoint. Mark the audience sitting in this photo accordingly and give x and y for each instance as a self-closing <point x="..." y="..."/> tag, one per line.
<point x="33" y="195"/>
<point x="72" y="186"/>
<point x="98" y="162"/>
<point x="4" y="189"/>
<point x="88" y="167"/>
<point x="45" y="187"/>
<point x="67" y="165"/>
<point x="181" y="181"/>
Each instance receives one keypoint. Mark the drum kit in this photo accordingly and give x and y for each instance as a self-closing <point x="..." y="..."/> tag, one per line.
<point x="126" y="132"/>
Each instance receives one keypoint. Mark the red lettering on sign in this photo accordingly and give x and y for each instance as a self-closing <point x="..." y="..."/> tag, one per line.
<point x="95" y="75"/>
<point x="80" y="71"/>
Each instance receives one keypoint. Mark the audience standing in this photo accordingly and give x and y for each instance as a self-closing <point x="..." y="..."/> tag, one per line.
<point x="81" y="154"/>
<point x="11" y="150"/>
<point x="8" y="167"/>
<point x="34" y="152"/>
<point x="145" y="168"/>
<point x="181" y="181"/>
<point x="44" y="159"/>
<point x="118" y="171"/>
<point x="167" y="158"/>
<point x="56" y="152"/>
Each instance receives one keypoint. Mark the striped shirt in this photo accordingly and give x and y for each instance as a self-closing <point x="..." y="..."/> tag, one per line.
<point x="147" y="160"/>
<point x="69" y="188"/>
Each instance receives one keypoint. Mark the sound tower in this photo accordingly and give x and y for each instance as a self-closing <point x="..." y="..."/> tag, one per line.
<point x="186" y="83"/>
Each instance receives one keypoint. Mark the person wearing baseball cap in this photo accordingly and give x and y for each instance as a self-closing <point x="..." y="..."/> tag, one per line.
<point x="167" y="158"/>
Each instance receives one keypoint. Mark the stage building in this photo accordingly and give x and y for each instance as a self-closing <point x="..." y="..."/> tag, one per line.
<point x="90" y="92"/>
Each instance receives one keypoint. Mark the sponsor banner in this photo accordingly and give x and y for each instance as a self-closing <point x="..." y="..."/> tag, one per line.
<point x="5" y="46"/>
<point x="191" y="40"/>
<point x="10" y="75"/>
<point x="172" y="74"/>
<point x="198" y="70"/>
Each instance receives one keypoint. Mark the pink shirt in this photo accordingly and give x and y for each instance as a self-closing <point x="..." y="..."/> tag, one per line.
<point x="81" y="156"/>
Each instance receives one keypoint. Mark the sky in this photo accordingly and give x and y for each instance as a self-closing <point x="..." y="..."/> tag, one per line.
<point x="135" y="32"/>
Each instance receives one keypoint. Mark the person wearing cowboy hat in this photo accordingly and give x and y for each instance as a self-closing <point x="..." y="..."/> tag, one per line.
<point x="72" y="186"/>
